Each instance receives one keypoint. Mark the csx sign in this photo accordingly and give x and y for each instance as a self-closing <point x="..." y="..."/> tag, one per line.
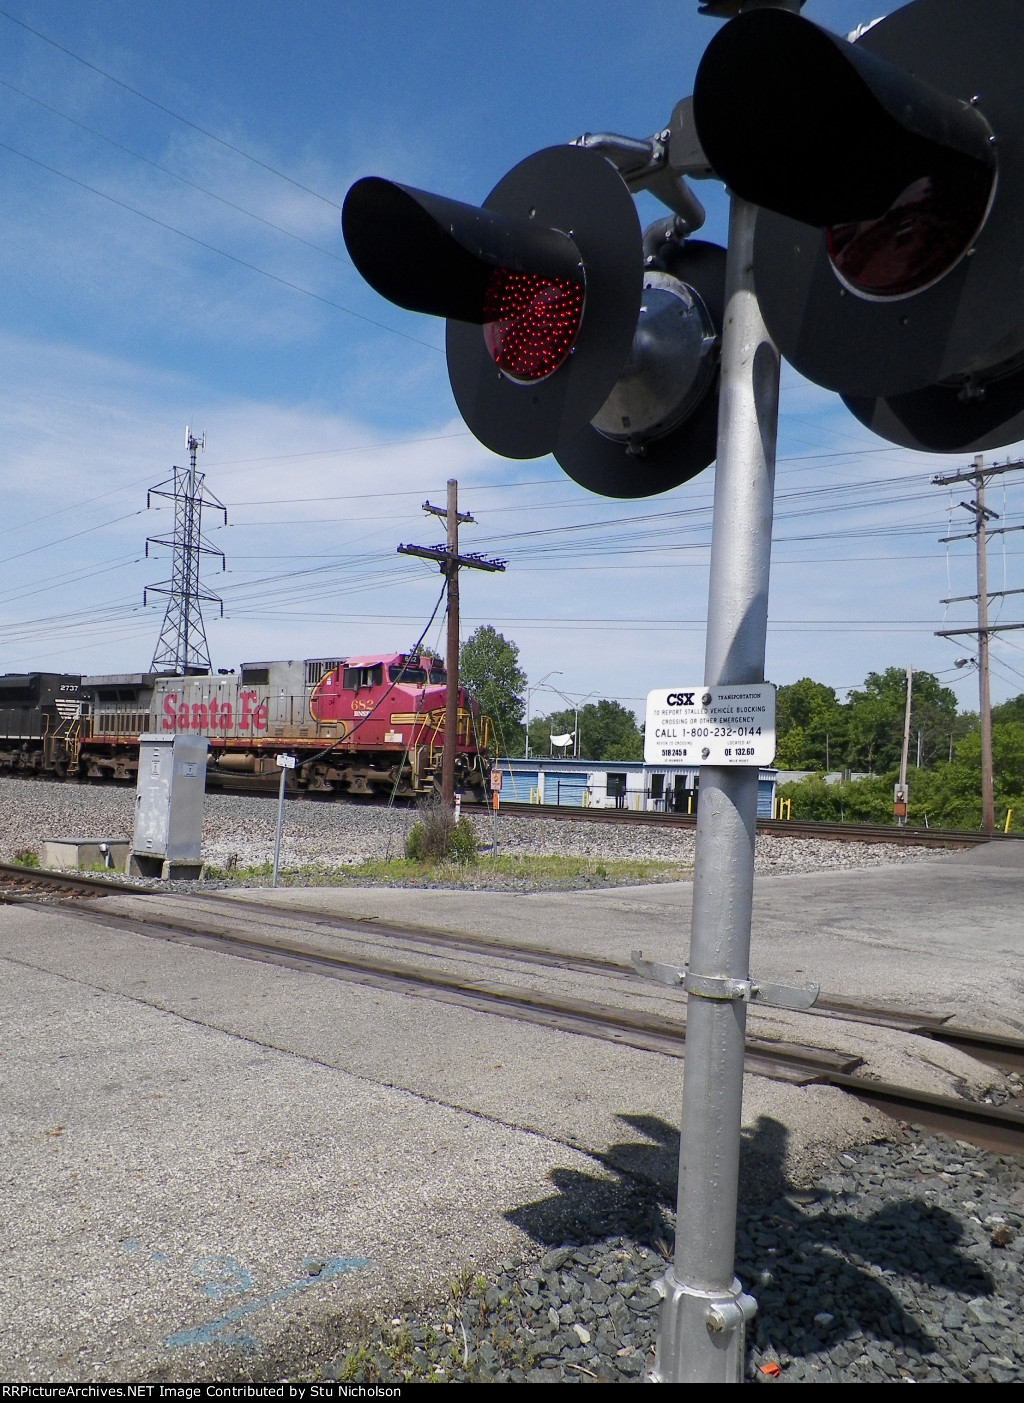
<point x="711" y="726"/>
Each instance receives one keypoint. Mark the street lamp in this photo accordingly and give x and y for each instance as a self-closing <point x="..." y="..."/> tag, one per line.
<point x="529" y="693"/>
<point x="577" y="707"/>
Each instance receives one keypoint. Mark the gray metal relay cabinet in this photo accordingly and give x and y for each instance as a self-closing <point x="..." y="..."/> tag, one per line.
<point x="169" y="806"/>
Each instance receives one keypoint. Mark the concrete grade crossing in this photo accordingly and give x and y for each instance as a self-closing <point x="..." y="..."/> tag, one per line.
<point x="222" y="1169"/>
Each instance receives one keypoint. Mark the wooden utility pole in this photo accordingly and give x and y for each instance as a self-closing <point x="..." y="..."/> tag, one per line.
<point x="977" y="477"/>
<point x="450" y="561"/>
<point x="901" y="798"/>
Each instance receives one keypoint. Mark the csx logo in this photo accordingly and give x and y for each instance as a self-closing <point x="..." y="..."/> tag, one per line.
<point x="680" y="699"/>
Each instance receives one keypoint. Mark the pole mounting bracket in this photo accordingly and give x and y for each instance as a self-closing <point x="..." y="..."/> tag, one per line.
<point x="723" y="989"/>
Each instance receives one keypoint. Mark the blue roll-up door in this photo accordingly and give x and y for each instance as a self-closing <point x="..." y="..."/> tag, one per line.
<point x="566" y="790"/>
<point x="765" y="795"/>
<point x="517" y="785"/>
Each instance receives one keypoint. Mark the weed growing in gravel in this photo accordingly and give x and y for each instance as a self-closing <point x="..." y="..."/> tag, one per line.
<point x="522" y="873"/>
<point x="469" y="1342"/>
<point x="26" y="857"/>
<point x="436" y="837"/>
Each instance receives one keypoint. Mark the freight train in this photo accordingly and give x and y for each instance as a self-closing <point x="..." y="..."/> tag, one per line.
<point x="371" y="725"/>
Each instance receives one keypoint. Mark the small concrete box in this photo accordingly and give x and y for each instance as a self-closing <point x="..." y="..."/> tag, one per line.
<point x="86" y="852"/>
<point x="169" y="806"/>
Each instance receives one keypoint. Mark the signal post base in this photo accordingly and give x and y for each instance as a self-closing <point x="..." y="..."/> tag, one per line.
<point x="702" y="1334"/>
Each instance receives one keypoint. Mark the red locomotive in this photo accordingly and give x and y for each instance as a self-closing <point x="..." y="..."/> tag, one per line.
<point x="367" y="725"/>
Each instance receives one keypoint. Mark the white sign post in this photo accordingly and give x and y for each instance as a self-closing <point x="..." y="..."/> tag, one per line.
<point x="287" y="762"/>
<point x="693" y="726"/>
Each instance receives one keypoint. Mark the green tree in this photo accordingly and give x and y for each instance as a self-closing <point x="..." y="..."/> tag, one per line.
<point x="946" y="796"/>
<point x="1012" y="710"/>
<point x="541" y="728"/>
<point x="875" y="718"/>
<point x="956" y="794"/>
<point x="608" y="731"/>
<point x="489" y="667"/>
<point x="811" y="726"/>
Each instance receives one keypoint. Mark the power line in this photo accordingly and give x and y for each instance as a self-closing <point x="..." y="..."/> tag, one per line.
<point x="138" y="156"/>
<point x="212" y="248"/>
<point x="86" y="531"/>
<point x="169" y="111"/>
<point x="238" y="463"/>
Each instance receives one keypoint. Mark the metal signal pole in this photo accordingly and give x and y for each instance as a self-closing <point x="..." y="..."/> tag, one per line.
<point x="451" y="562"/>
<point x="705" y="1310"/>
<point x="977" y="477"/>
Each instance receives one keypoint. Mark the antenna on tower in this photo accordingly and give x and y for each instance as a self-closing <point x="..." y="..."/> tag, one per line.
<point x="182" y="647"/>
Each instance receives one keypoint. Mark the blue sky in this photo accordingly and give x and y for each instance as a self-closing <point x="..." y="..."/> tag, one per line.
<point x="173" y="255"/>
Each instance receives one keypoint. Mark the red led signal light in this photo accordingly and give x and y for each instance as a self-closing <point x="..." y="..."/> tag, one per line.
<point x="530" y="322"/>
<point x="921" y="237"/>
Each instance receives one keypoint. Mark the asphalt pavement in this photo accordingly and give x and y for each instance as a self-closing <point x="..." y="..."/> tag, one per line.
<point x="218" y="1168"/>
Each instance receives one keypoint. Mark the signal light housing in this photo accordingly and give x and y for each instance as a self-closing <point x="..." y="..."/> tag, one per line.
<point x="540" y="288"/>
<point x="659" y="426"/>
<point x="558" y="340"/>
<point x="890" y="175"/>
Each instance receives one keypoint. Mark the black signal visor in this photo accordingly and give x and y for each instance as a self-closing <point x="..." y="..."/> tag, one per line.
<point x="433" y="255"/>
<point x="804" y="123"/>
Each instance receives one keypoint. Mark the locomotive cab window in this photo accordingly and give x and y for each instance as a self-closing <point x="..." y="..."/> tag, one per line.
<point x="438" y="676"/>
<point x="412" y="676"/>
<point x="355" y="678"/>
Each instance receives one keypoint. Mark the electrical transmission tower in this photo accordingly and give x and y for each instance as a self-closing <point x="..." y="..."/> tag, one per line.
<point x="182" y="647"/>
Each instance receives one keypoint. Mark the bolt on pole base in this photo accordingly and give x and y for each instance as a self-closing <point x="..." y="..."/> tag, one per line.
<point x="712" y="1324"/>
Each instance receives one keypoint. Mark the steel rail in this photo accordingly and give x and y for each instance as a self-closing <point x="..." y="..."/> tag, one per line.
<point x="997" y="1050"/>
<point x="791" y="828"/>
<point x="653" y="1032"/>
<point x="998" y="1128"/>
<point x="80" y="883"/>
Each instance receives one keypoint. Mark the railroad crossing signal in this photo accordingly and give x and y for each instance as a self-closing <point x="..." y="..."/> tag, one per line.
<point x="889" y="254"/>
<point x="561" y="337"/>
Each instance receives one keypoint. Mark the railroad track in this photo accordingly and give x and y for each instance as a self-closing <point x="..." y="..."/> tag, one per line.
<point x="27" y="883"/>
<point x="215" y="926"/>
<point x="785" y="828"/>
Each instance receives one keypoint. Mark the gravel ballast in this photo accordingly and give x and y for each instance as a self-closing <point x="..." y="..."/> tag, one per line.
<point x="902" y="1263"/>
<point x="239" y="833"/>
